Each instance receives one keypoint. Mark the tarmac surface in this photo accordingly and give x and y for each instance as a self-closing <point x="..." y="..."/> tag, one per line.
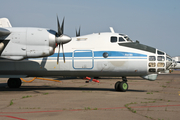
<point x="73" y="99"/>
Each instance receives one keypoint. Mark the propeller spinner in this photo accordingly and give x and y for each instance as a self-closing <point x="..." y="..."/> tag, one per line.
<point x="61" y="38"/>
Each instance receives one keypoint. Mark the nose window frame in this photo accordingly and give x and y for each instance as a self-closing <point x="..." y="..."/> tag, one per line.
<point x="152" y="58"/>
<point x="160" y="58"/>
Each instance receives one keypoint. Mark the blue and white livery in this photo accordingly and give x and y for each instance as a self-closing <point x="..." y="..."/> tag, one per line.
<point x="100" y="54"/>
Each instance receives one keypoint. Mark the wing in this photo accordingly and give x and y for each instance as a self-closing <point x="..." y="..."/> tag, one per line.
<point x="4" y="22"/>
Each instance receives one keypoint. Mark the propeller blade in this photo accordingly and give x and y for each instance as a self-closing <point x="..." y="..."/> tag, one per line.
<point x="59" y="28"/>
<point x="62" y="26"/>
<point x="63" y="53"/>
<point x="61" y="39"/>
<point x="58" y="54"/>
<point x="78" y="33"/>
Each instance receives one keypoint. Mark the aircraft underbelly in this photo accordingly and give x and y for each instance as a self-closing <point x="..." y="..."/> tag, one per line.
<point x="50" y="68"/>
<point x="80" y="63"/>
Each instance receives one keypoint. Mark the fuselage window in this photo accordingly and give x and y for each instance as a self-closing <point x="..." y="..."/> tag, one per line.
<point x="161" y="58"/>
<point x="113" y="39"/>
<point x="152" y="70"/>
<point x="121" y="39"/>
<point x="152" y="58"/>
<point x="160" y="53"/>
<point x="105" y="54"/>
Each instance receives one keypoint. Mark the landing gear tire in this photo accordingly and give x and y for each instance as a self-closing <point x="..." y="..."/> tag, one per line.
<point x="14" y="82"/>
<point x="121" y="86"/>
<point x="116" y="86"/>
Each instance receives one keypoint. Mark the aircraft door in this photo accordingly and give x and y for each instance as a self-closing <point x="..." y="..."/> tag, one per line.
<point x="83" y="59"/>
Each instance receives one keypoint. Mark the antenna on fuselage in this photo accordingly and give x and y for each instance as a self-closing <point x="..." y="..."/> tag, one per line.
<point x="112" y="30"/>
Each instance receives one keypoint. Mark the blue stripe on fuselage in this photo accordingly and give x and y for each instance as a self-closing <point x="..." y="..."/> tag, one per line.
<point x="61" y="55"/>
<point x="100" y="54"/>
<point x="118" y="54"/>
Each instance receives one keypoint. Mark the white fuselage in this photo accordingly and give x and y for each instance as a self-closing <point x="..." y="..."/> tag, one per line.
<point x="84" y="57"/>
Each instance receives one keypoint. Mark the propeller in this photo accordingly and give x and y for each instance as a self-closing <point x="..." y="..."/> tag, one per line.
<point x="78" y="33"/>
<point x="61" y="38"/>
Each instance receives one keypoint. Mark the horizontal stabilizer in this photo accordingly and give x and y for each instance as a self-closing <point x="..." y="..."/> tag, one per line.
<point x="4" y="32"/>
<point x="4" y="22"/>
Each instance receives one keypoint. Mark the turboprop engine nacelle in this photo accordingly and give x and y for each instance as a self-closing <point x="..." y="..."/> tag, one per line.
<point x="24" y="43"/>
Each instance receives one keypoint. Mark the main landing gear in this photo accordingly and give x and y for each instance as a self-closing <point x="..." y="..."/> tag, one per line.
<point x="121" y="86"/>
<point x="14" y="82"/>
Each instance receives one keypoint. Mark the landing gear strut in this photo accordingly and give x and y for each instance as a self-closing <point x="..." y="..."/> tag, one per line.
<point x="14" y="82"/>
<point x="121" y="86"/>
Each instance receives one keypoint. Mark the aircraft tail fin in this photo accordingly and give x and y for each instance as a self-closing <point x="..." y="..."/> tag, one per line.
<point x="4" y="22"/>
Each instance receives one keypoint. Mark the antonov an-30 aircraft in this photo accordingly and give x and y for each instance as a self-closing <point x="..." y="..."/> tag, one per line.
<point x="100" y="54"/>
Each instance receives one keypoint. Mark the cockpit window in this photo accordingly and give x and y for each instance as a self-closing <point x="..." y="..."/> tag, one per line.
<point x="160" y="53"/>
<point x="126" y="37"/>
<point x="121" y="39"/>
<point x="113" y="39"/>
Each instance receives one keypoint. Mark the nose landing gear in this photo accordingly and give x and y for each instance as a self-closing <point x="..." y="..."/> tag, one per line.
<point x="121" y="86"/>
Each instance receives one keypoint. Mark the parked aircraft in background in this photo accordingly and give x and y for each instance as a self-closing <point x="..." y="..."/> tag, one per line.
<point x="176" y="60"/>
<point x="101" y="54"/>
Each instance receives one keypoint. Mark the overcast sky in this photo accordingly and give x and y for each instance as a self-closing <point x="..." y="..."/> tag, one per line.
<point x="153" y="22"/>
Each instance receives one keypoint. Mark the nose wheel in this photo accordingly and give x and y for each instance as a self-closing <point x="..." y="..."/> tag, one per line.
<point x="121" y="86"/>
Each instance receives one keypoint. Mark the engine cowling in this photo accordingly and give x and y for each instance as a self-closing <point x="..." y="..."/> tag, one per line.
<point x="28" y="43"/>
<point x="39" y="43"/>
